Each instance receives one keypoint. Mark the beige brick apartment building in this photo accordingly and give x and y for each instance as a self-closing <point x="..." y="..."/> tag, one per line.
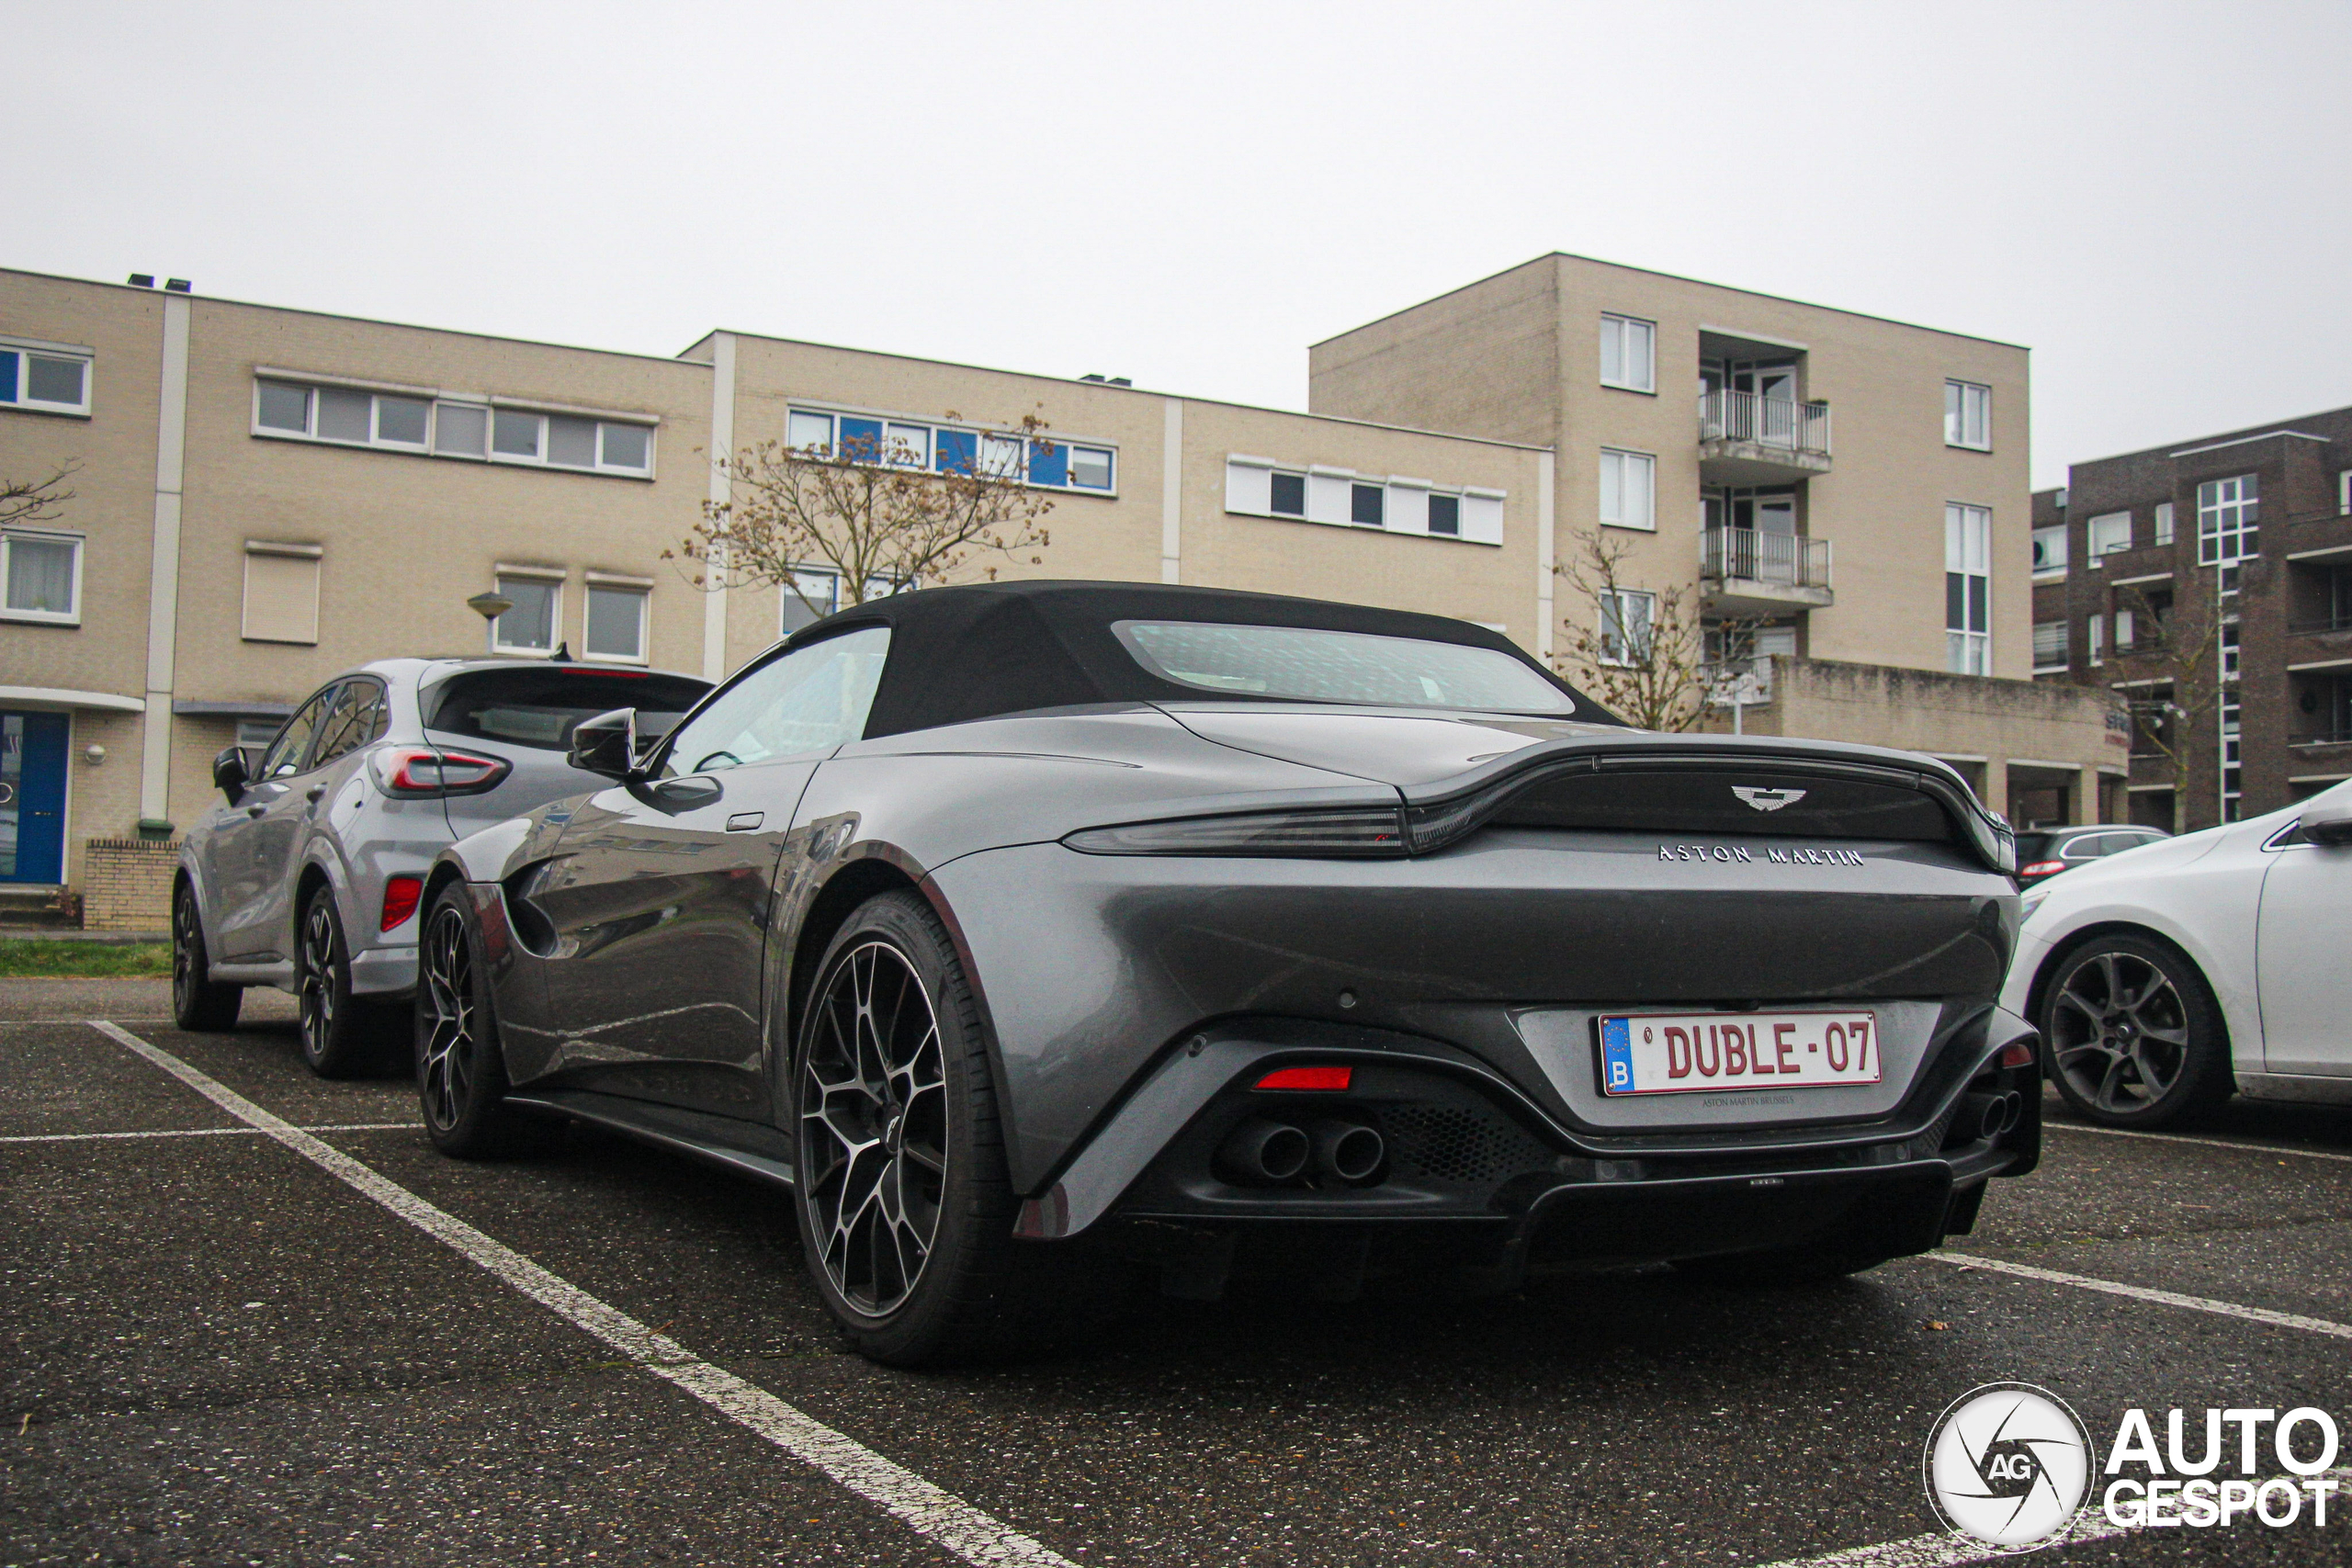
<point x="265" y="496"/>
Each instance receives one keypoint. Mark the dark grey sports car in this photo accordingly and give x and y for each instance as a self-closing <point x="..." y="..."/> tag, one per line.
<point x="1043" y="936"/>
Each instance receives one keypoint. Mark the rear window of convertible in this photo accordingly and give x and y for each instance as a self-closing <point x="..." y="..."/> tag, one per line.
<point x="538" y="706"/>
<point x="1311" y="665"/>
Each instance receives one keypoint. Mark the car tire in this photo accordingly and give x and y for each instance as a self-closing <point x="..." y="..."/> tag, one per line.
<point x="198" y="1002"/>
<point x="460" y="1064"/>
<point x="2131" y="1035"/>
<point x="903" y="1199"/>
<point x="343" y="1036"/>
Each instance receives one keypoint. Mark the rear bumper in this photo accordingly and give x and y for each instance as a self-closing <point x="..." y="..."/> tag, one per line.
<point x="384" y="972"/>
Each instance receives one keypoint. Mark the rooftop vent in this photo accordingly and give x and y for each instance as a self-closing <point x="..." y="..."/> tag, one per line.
<point x="180" y="286"/>
<point x="1107" y="380"/>
<point x="142" y="280"/>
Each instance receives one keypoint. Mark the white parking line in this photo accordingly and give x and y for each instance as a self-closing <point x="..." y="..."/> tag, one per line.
<point x="2144" y="1293"/>
<point x="212" y="1131"/>
<point x="1954" y="1550"/>
<point x="976" y="1537"/>
<point x="2183" y="1138"/>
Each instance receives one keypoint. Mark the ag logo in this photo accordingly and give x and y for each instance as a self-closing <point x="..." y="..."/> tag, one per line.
<point x="2008" y="1463"/>
<point x="1766" y="799"/>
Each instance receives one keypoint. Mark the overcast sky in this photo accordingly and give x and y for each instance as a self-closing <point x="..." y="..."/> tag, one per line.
<point x="2151" y="196"/>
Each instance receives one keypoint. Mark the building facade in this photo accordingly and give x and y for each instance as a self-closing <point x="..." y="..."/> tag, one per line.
<point x="261" y="497"/>
<point x="2209" y="583"/>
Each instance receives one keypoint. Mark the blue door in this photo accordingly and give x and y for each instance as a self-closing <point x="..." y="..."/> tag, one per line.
<point x="32" y="796"/>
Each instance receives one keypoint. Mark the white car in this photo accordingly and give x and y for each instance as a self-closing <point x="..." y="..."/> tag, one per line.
<point x="2166" y="976"/>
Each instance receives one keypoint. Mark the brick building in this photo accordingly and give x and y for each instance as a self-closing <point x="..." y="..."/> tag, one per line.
<point x="2209" y="583"/>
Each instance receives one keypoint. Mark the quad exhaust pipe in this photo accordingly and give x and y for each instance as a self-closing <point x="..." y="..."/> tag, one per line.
<point x="1265" y="1153"/>
<point x="1988" y="1115"/>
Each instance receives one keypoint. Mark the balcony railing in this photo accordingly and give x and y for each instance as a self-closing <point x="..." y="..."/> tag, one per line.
<point x="1789" y="560"/>
<point x="2339" y="737"/>
<point x="1768" y="422"/>
<point x="2339" y="621"/>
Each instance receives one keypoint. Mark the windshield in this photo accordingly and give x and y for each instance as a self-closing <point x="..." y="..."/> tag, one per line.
<point x="537" y="706"/>
<point x="1308" y="665"/>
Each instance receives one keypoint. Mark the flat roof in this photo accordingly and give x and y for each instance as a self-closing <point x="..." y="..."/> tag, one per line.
<point x="2244" y="433"/>
<point x="1677" y="278"/>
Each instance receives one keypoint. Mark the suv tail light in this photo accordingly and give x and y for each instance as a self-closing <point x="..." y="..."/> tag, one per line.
<point x="401" y="896"/>
<point x="417" y="773"/>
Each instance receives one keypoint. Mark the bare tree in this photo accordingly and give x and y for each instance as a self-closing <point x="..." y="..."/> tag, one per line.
<point x="2177" y="645"/>
<point x="875" y="517"/>
<point x="24" y="502"/>
<point x="1648" y="654"/>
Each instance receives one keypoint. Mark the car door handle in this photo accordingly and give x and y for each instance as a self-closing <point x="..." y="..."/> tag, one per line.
<point x="313" y="793"/>
<point x="256" y="811"/>
<point x="744" y="821"/>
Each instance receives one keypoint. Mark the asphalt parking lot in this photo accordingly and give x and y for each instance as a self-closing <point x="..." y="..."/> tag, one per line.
<point x="223" y="1350"/>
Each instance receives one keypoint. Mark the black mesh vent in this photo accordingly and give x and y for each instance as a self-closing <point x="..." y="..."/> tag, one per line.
<point x="1454" y="1144"/>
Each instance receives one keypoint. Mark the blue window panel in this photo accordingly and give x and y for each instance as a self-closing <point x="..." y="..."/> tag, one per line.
<point x="861" y="439"/>
<point x="1048" y="464"/>
<point x="7" y="378"/>
<point x="955" y="451"/>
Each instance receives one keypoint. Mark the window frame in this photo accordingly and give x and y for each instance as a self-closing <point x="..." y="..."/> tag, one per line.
<point x="2165" y="524"/>
<point x="1623" y="456"/>
<point x="2096" y="555"/>
<point x="435" y="402"/>
<point x="2061" y="652"/>
<point x="992" y="449"/>
<point x="71" y="616"/>
<point x="548" y="579"/>
<point x="2236" y="519"/>
<point x="636" y="588"/>
<point x="19" y="398"/>
<point x="2046" y="573"/>
<point x="1968" y="648"/>
<point x="1616" y="324"/>
<point x="1957" y="412"/>
<point x="1616" y="645"/>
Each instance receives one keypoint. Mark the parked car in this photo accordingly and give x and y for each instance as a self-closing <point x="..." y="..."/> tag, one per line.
<point x="1034" y="933"/>
<point x="2167" y="978"/>
<point x="308" y="877"/>
<point x="2043" y="852"/>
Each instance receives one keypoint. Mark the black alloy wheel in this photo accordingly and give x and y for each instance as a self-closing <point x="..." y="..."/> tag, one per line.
<point x="199" y="1001"/>
<point x="460" y="1067"/>
<point x="874" y="1127"/>
<point x="2132" y="1037"/>
<point x="343" y="1035"/>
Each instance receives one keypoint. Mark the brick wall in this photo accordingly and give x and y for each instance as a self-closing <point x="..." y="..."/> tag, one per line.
<point x="127" y="884"/>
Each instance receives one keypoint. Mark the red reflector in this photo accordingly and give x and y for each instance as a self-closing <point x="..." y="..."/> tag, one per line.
<point x="1308" y="1078"/>
<point x="2042" y="868"/>
<point x="2019" y="1054"/>
<point x="401" y="893"/>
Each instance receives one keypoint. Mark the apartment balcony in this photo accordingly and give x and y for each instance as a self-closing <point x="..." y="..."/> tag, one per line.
<point x="1747" y="439"/>
<point x="1745" y="573"/>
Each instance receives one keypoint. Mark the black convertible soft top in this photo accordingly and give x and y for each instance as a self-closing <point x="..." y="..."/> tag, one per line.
<point x="997" y="648"/>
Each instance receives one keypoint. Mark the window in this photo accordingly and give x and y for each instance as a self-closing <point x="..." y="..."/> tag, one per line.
<point x="44" y="380"/>
<point x="2163" y="522"/>
<point x="1968" y="416"/>
<point x="255" y="734"/>
<point x="2343" y="492"/>
<point x="2095" y="641"/>
<point x="2108" y="534"/>
<point x="2127" y="631"/>
<point x="444" y="427"/>
<point x="1968" y="590"/>
<point x="1306" y="664"/>
<point x="2230" y="651"/>
<point x="615" y="628"/>
<point x="1627" y="498"/>
<point x="1445" y="516"/>
<point x="2048" y="647"/>
<point x="43" y="573"/>
<point x="537" y="705"/>
<point x="281" y="592"/>
<point x="353" y="716"/>
<point x="948" y="449"/>
<point x="529" y="626"/>
<point x="1628" y="353"/>
<point x="809" y="598"/>
<point x="1286" y="495"/>
<point x="1626" y="618"/>
<point x="813" y="699"/>
<point x="287" y="753"/>
<point x="1365" y="505"/>
<point x="2227" y="512"/>
<point x="2050" y="550"/>
<point x="1260" y="487"/>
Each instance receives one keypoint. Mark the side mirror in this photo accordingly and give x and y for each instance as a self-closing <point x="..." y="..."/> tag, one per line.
<point x="606" y="744"/>
<point x="2329" y="821"/>
<point x="230" y="774"/>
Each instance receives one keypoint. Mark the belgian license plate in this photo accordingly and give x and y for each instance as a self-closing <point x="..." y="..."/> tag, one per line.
<point x="1681" y="1053"/>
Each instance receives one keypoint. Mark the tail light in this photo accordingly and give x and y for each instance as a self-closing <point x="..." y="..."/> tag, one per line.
<point x="2017" y="1054"/>
<point x="2042" y="868"/>
<point x="401" y="896"/>
<point x="419" y="772"/>
<point x="1308" y="1078"/>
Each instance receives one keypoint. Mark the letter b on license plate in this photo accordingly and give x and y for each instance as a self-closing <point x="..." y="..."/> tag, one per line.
<point x="1681" y="1053"/>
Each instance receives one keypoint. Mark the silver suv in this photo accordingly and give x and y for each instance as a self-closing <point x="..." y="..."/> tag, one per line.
<point x="308" y="878"/>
